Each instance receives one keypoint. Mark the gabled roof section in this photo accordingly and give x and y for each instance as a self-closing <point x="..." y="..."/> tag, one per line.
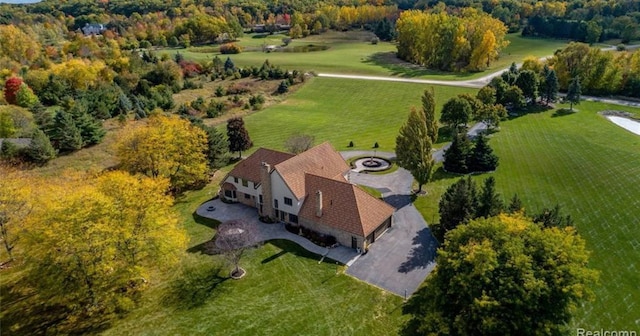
<point x="321" y="160"/>
<point x="249" y="168"/>
<point x="344" y="206"/>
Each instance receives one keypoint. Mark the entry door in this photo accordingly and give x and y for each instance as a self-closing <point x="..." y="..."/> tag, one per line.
<point x="354" y="242"/>
<point x="282" y="213"/>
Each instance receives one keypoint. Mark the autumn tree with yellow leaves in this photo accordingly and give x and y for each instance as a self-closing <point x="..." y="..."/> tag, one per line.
<point x="93" y="242"/>
<point x="468" y="42"/>
<point x="165" y="146"/>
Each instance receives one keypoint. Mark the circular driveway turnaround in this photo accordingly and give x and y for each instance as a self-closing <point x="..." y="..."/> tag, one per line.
<point x="403" y="257"/>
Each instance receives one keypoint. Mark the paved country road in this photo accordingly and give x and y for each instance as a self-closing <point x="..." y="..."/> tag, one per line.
<point x="471" y="83"/>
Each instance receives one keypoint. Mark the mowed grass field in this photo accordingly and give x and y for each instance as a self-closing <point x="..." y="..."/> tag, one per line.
<point x="582" y="161"/>
<point x="591" y="167"/>
<point x="286" y="292"/>
<point x="343" y="110"/>
<point x="352" y="53"/>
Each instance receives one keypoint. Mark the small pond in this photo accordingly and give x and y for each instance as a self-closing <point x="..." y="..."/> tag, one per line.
<point x="626" y="123"/>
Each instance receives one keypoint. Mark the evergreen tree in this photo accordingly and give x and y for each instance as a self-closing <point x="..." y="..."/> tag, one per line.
<point x="489" y="202"/>
<point x="515" y="204"/>
<point x="551" y="86"/>
<point x="217" y="147"/>
<point x="384" y="30"/>
<point x="91" y="129"/>
<point x="124" y="104"/>
<point x="64" y="134"/>
<point x="429" y="111"/>
<point x="40" y="149"/>
<point x="573" y="92"/>
<point x="228" y="65"/>
<point x="238" y="136"/>
<point x="482" y="158"/>
<point x="552" y="218"/>
<point x="457" y="205"/>
<point x="413" y="148"/>
<point x="456" y="156"/>
<point x="510" y="76"/>
<point x="283" y="87"/>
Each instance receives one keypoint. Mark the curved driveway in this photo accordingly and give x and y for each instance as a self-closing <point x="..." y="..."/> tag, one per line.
<point x="403" y="257"/>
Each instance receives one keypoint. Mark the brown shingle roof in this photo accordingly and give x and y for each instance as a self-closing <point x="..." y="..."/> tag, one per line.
<point x="321" y="160"/>
<point x="345" y="206"/>
<point x="249" y="168"/>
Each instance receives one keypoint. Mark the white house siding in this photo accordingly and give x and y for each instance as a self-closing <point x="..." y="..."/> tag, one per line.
<point x="280" y="190"/>
<point x="249" y="189"/>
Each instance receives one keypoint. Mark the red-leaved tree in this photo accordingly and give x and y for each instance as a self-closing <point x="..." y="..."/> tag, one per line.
<point x="11" y="88"/>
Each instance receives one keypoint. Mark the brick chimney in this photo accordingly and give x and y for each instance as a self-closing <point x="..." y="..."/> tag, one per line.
<point x="319" y="203"/>
<point x="267" y="196"/>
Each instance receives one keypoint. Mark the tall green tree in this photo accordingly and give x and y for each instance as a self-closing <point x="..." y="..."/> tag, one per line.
<point x="457" y="206"/>
<point x="489" y="201"/>
<point x="238" y="136"/>
<point x="456" y="113"/>
<point x="456" y="157"/>
<point x="429" y="111"/>
<point x="573" y="92"/>
<point x="217" y="148"/>
<point x="549" y="85"/>
<point x="528" y="82"/>
<point x="482" y="158"/>
<point x="64" y="134"/>
<point x="413" y="148"/>
<point x="503" y="276"/>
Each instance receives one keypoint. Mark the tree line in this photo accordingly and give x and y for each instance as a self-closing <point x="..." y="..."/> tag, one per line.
<point x="469" y="41"/>
<point x="498" y="270"/>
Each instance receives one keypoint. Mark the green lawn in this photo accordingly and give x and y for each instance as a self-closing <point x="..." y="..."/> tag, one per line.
<point x="343" y="110"/>
<point x="352" y="53"/>
<point x="285" y="292"/>
<point x="592" y="168"/>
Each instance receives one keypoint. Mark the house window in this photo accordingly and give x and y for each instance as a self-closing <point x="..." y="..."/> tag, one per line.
<point x="227" y="193"/>
<point x="275" y="204"/>
<point x="288" y="201"/>
<point x="260" y="198"/>
<point x="293" y="218"/>
<point x="247" y="196"/>
<point x="245" y="183"/>
<point x="235" y="180"/>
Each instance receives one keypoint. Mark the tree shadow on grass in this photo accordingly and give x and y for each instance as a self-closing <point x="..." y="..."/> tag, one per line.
<point x="423" y="253"/>
<point x="195" y="286"/>
<point x="25" y="313"/>
<point x="441" y="174"/>
<point x="390" y="61"/>
<point x="288" y="246"/>
<point x="273" y="257"/>
<point x="562" y="112"/>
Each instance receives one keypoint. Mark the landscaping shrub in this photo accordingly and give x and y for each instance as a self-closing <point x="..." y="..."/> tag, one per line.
<point x="317" y="238"/>
<point x="230" y="48"/>
<point x="238" y="88"/>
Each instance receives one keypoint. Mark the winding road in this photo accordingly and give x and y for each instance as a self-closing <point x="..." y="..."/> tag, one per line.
<point x="478" y="82"/>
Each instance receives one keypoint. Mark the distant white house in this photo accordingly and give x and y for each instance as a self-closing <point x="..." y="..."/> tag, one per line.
<point x="93" y="29"/>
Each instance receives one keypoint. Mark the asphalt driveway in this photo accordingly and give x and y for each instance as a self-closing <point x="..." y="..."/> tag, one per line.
<point x="403" y="257"/>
